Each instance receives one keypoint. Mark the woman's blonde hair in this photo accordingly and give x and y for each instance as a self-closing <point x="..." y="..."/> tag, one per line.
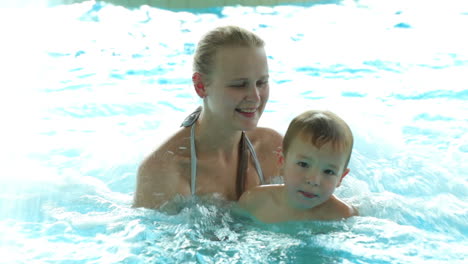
<point x="221" y="37"/>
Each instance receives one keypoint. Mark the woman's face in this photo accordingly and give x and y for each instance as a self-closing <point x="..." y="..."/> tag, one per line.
<point x="238" y="87"/>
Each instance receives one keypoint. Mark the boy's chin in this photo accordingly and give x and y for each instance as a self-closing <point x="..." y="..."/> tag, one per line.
<point x="304" y="207"/>
<point x="301" y="205"/>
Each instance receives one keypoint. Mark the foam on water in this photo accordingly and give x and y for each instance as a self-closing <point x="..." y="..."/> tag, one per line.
<point x="90" y="89"/>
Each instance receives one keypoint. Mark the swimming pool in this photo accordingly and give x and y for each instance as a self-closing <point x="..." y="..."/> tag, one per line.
<point x="90" y="89"/>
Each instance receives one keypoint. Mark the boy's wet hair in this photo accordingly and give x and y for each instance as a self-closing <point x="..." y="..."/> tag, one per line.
<point x="320" y="127"/>
<point x="225" y="36"/>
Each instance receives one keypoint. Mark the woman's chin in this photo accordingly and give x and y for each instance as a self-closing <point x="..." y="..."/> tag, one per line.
<point x="249" y="126"/>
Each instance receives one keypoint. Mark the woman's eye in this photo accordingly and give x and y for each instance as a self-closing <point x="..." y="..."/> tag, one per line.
<point x="303" y="164"/>
<point x="238" y="85"/>
<point x="262" y="83"/>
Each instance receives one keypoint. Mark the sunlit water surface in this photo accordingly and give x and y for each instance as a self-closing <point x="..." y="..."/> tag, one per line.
<point x="90" y="89"/>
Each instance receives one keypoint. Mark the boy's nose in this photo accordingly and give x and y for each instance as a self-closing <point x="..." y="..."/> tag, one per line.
<point x="313" y="178"/>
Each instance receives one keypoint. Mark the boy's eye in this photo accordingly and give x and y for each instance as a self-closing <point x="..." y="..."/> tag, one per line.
<point x="302" y="164"/>
<point x="329" y="172"/>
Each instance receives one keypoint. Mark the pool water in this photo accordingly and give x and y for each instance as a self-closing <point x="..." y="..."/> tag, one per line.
<point x="90" y="89"/>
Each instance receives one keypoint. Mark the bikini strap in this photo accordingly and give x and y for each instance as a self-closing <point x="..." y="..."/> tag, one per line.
<point x="193" y="160"/>
<point x="190" y="120"/>
<point x="242" y="165"/>
<point x="243" y="156"/>
<point x="255" y="160"/>
<point x="245" y="146"/>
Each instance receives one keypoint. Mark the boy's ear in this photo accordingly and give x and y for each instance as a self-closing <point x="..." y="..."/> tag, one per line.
<point x="199" y="85"/>
<point x="281" y="163"/>
<point x="345" y="172"/>
<point x="280" y="156"/>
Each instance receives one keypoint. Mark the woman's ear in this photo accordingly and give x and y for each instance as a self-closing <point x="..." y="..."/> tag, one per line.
<point x="199" y="85"/>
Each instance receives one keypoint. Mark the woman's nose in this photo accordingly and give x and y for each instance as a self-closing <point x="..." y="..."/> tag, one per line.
<point x="253" y="93"/>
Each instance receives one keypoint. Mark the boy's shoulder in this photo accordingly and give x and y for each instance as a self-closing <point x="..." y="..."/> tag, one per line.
<point x="260" y="196"/>
<point x="338" y="209"/>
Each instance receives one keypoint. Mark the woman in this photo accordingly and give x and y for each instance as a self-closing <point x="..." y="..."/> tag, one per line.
<point x="219" y="149"/>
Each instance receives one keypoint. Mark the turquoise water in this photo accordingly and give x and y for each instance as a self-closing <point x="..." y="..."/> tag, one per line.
<point x="90" y="89"/>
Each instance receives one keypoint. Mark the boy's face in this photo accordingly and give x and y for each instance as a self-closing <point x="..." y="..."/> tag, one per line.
<point x="312" y="174"/>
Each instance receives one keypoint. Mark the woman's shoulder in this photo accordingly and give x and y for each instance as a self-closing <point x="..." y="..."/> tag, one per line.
<point x="264" y="132"/>
<point x="268" y="144"/>
<point x="170" y="152"/>
<point x="265" y="138"/>
<point x="169" y="159"/>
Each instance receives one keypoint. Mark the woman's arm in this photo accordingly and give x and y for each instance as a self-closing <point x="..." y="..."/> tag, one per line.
<point x="157" y="181"/>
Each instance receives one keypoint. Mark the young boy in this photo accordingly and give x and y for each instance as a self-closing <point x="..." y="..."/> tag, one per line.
<point x="316" y="152"/>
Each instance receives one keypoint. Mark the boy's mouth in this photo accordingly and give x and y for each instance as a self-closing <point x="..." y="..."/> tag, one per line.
<point x="308" y="195"/>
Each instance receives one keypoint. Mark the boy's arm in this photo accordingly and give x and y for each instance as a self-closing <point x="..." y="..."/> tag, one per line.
<point x="258" y="201"/>
<point x="354" y="211"/>
<point x="341" y="209"/>
<point x="249" y="200"/>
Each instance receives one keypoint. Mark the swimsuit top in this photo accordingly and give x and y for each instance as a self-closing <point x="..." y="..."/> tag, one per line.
<point x="244" y="146"/>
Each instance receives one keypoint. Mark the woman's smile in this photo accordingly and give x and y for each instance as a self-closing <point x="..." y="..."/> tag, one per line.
<point x="247" y="112"/>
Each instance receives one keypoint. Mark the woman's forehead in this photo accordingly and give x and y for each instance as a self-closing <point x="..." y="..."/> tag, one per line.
<point x="238" y="60"/>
